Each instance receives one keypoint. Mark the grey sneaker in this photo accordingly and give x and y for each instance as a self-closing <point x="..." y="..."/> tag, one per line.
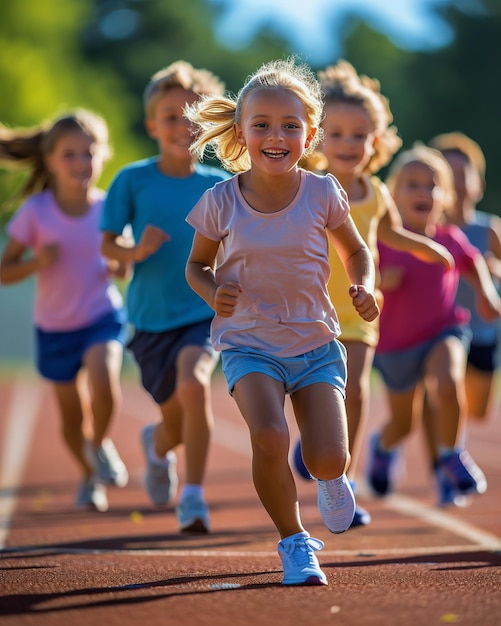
<point x="109" y="467"/>
<point x="336" y="503"/>
<point x="92" y="495"/>
<point x="161" y="478"/>
<point x="193" y="516"/>
<point x="299" y="561"/>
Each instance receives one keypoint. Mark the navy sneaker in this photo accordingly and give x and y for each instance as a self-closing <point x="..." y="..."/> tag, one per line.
<point x="379" y="467"/>
<point x="462" y="472"/>
<point x="299" y="466"/>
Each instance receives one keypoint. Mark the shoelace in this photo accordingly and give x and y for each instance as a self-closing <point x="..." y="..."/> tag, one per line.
<point x="339" y="501"/>
<point x="299" y="553"/>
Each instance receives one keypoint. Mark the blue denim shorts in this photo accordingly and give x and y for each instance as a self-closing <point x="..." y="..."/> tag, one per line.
<point x="403" y="369"/>
<point x="59" y="355"/>
<point x="326" y="364"/>
<point x="156" y="354"/>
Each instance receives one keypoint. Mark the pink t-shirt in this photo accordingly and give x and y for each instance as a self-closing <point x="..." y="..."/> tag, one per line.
<point x="76" y="290"/>
<point x="280" y="260"/>
<point x="424" y="304"/>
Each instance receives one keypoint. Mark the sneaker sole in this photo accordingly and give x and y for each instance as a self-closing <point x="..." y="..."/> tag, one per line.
<point x="310" y="582"/>
<point x="196" y="527"/>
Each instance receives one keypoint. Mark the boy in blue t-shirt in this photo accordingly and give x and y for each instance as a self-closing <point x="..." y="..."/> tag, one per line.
<point x="171" y="341"/>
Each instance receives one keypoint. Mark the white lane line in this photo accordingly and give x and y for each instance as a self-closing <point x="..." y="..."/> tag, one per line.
<point x="234" y="437"/>
<point x="21" y="413"/>
<point x="435" y="517"/>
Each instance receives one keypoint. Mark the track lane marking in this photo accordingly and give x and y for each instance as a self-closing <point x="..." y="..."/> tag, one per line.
<point x="21" y="415"/>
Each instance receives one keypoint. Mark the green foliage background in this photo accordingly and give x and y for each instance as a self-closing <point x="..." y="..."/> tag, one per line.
<point x="55" y="55"/>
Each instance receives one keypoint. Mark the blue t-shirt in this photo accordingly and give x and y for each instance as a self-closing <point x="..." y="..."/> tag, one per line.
<point x="158" y="297"/>
<point x="483" y="333"/>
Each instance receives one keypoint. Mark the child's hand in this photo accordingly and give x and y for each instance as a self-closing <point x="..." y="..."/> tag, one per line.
<point x="364" y="302"/>
<point x="151" y="240"/>
<point x="48" y="255"/>
<point x="225" y="299"/>
<point x="119" y="270"/>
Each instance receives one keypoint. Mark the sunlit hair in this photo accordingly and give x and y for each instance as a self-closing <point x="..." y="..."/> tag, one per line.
<point x="342" y="84"/>
<point x="421" y="154"/>
<point x="180" y="74"/>
<point x="27" y="148"/>
<point x="216" y="117"/>
<point x="459" y="143"/>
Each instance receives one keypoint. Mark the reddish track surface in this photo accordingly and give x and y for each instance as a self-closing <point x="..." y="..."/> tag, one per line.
<point x="415" y="564"/>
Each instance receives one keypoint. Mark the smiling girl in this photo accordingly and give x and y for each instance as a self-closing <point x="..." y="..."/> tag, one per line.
<point x="275" y="324"/>
<point x="79" y="316"/>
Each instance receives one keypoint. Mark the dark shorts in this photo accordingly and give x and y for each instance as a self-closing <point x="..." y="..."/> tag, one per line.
<point x="403" y="369"/>
<point x="483" y="358"/>
<point x="156" y="354"/>
<point x="60" y="355"/>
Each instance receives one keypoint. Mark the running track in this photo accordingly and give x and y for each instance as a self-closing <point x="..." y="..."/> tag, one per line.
<point x="415" y="564"/>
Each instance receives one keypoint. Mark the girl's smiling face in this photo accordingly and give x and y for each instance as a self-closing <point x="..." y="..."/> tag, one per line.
<point x="349" y="137"/>
<point x="418" y="196"/>
<point x="75" y="161"/>
<point x="274" y="128"/>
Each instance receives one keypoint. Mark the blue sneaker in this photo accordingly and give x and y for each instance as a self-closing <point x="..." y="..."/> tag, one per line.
<point x="109" y="467"/>
<point x="92" y="495"/>
<point x="161" y="478"/>
<point x="336" y="503"/>
<point x="299" y="562"/>
<point x="299" y="466"/>
<point x="462" y="472"/>
<point x="379" y="467"/>
<point x="361" y="517"/>
<point x="193" y="516"/>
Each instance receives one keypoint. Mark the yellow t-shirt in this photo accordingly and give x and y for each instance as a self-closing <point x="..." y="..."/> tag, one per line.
<point x="366" y="214"/>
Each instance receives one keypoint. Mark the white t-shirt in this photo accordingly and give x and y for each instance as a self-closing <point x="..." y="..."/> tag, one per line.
<point x="75" y="291"/>
<point x="281" y="262"/>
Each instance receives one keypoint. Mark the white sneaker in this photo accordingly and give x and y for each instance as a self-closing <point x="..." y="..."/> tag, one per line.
<point x="336" y="503"/>
<point x="299" y="562"/>
<point x="92" y="495"/>
<point x="161" y="478"/>
<point x="109" y="467"/>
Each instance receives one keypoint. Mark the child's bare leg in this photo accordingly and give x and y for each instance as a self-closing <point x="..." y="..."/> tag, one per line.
<point x="321" y="418"/>
<point x="193" y="391"/>
<point x="104" y="362"/>
<point x="71" y="421"/>
<point x="261" y="399"/>
<point x="400" y="420"/>
<point x="445" y="367"/>
<point x="359" y="363"/>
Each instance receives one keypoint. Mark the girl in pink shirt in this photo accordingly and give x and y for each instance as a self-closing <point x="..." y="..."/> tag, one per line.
<point x="423" y="333"/>
<point x="78" y="316"/>
<point x="275" y="323"/>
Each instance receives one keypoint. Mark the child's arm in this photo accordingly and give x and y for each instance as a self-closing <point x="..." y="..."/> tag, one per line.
<point x="14" y="267"/>
<point x="359" y="266"/>
<point x="114" y="246"/>
<point x="493" y="256"/>
<point x="488" y="300"/>
<point x="392" y="233"/>
<point x="201" y="278"/>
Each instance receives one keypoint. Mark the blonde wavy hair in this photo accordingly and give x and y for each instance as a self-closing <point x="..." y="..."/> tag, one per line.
<point x="341" y="83"/>
<point x="180" y="74"/>
<point x="215" y="116"/>
<point x="457" y="142"/>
